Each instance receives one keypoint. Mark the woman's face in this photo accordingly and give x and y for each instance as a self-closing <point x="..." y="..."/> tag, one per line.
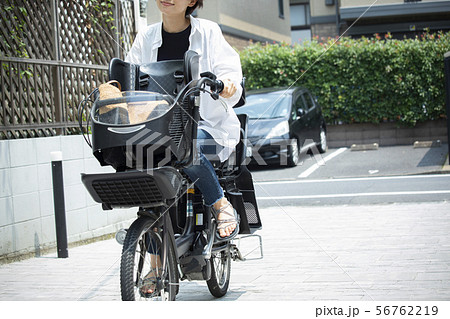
<point x="174" y="7"/>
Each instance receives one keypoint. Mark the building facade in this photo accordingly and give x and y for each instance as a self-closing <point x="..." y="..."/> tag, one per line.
<point x="294" y="21"/>
<point x="399" y="17"/>
<point x="330" y="18"/>
<point x="241" y="21"/>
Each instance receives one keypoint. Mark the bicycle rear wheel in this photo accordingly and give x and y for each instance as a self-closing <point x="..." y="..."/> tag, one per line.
<point x="143" y="257"/>
<point x="220" y="273"/>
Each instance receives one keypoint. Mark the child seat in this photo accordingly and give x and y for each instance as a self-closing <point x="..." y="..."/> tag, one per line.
<point x="174" y="130"/>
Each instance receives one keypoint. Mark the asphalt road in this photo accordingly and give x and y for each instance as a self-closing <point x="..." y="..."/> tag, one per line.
<point x="400" y="174"/>
<point x="357" y="191"/>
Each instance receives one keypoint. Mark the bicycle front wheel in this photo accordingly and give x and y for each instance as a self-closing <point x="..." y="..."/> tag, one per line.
<point x="220" y="273"/>
<point x="148" y="266"/>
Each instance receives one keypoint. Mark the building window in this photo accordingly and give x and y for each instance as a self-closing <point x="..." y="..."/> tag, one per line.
<point x="300" y="22"/>
<point x="281" y="9"/>
<point x="300" y="17"/>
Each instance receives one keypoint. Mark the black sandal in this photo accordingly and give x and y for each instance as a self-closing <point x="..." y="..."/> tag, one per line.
<point x="149" y="285"/>
<point x="224" y="223"/>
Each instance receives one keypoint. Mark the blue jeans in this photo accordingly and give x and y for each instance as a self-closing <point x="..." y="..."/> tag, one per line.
<point x="201" y="172"/>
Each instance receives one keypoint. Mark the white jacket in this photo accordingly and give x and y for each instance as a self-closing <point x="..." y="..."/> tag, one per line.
<point x="216" y="56"/>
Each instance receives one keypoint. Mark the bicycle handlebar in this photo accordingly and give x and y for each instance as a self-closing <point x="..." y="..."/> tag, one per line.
<point x="216" y="86"/>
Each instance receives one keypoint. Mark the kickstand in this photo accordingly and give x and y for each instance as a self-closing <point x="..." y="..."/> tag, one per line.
<point x="236" y="251"/>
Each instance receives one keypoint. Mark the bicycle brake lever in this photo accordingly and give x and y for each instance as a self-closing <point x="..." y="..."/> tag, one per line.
<point x="209" y="75"/>
<point x="215" y="95"/>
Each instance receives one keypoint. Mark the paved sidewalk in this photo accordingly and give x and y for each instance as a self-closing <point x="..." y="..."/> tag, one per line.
<point x="381" y="252"/>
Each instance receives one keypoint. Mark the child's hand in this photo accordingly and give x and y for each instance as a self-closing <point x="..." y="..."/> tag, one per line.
<point x="228" y="89"/>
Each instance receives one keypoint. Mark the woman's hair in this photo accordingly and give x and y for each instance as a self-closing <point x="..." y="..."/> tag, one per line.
<point x="198" y="4"/>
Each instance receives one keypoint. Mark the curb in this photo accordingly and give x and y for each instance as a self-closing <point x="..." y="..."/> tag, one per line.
<point x="446" y="167"/>
<point x="364" y="147"/>
<point x="427" y="144"/>
<point x="50" y="249"/>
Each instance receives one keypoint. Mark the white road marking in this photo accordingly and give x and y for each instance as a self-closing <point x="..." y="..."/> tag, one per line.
<point x="354" y="195"/>
<point x="353" y="179"/>
<point x="313" y="168"/>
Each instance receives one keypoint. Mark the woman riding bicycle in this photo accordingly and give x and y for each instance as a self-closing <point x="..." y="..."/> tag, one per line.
<point x="219" y="128"/>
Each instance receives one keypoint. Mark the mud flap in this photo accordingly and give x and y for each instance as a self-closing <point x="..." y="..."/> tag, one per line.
<point x="237" y="201"/>
<point x="244" y="183"/>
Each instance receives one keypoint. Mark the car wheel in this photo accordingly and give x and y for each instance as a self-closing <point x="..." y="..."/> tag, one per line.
<point x="293" y="153"/>
<point x="322" y="146"/>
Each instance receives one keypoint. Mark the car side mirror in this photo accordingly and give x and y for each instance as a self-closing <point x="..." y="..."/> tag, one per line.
<point x="300" y="112"/>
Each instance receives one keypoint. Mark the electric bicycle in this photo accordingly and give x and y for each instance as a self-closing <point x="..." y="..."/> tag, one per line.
<point x="148" y="136"/>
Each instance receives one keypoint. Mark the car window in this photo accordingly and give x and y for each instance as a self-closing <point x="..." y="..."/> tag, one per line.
<point x="308" y="100"/>
<point x="266" y="105"/>
<point x="298" y="104"/>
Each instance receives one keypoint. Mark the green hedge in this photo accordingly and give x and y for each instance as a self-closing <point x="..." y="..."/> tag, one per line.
<point x="367" y="80"/>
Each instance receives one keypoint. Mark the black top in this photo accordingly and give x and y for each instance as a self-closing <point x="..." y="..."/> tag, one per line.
<point x="174" y="45"/>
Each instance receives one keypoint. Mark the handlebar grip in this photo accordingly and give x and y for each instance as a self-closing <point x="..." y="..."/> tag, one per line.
<point x="216" y="86"/>
<point x="220" y="86"/>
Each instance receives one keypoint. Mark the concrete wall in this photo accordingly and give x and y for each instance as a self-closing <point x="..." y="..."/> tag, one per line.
<point x="27" y="222"/>
<point x="319" y="8"/>
<point x="386" y="134"/>
<point x="263" y="22"/>
<point x="324" y="30"/>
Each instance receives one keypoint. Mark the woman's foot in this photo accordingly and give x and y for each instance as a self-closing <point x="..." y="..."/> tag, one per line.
<point x="149" y="284"/>
<point x="226" y="218"/>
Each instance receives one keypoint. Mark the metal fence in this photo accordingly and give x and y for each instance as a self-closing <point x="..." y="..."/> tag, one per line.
<point x="53" y="53"/>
